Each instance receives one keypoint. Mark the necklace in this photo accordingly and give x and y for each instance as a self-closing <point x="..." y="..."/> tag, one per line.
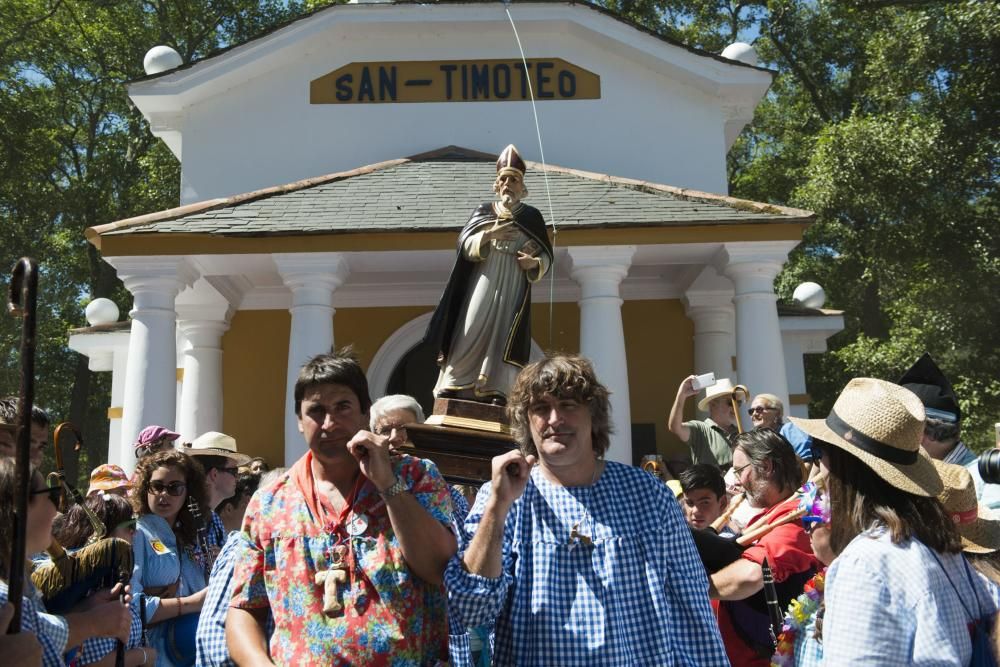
<point x="800" y="612"/>
<point x="575" y="535"/>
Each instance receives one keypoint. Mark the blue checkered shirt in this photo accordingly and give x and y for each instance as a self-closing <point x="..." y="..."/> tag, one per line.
<point x="210" y="640"/>
<point x="637" y="596"/>
<point x="892" y="604"/>
<point x="52" y="631"/>
<point x="96" y="648"/>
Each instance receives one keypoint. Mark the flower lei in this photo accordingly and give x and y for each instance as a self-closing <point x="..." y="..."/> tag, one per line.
<point x="800" y="611"/>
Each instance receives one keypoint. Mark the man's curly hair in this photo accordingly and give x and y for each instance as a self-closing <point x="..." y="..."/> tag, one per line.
<point x="187" y="526"/>
<point x="561" y="376"/>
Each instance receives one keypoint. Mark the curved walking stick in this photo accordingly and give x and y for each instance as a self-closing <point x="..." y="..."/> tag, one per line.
<point x="70" y="493"/>
<point x="736" y="411"/>
<point x="23" y="303"/>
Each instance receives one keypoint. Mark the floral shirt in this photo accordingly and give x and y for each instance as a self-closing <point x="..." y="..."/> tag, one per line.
<point x="389" y="615"/>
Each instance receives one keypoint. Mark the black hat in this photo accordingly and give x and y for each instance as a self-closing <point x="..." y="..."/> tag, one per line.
<point x="930" y="385"/>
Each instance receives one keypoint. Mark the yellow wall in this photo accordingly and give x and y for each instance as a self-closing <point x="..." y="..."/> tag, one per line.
<point x="660" y="349"/>
<point x="255" y="351"/>
<point x="254" y="358"/>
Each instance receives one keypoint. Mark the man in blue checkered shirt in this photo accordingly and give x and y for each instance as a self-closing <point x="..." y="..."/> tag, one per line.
<point x="581" y="561"/>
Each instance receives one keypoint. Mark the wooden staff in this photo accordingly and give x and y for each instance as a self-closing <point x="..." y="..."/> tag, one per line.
<point x="23" y="303"/>
<point x="752" y="536"/>
<point x="70" y="493"/>
<point x="724" y="518"/>
<point x="736" y="410"/>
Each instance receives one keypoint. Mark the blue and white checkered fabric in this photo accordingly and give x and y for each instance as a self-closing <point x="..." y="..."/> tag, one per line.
<point x="637" y="596"/>
<point x="211" y="636"/>
<point x="95" y="649"/>
<point x="892" y="604"/>
<point x="52" y="631"/>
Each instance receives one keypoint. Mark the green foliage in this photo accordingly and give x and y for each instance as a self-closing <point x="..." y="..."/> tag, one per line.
<point x="74" y="153"/>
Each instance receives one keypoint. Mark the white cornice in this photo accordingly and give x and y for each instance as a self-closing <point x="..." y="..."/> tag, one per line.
<point x="170" y="93"/>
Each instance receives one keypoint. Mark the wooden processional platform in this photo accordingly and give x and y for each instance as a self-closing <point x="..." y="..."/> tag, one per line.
<point x="462" y="437"/>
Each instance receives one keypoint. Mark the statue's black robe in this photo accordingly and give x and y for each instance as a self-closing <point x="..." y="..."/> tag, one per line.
<point x="445" y="318"/>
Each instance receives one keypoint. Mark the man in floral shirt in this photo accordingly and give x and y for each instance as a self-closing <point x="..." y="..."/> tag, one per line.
<point x="348" y="548"/>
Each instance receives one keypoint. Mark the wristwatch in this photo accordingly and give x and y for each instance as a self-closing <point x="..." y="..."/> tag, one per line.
<point x="397" y="488"/>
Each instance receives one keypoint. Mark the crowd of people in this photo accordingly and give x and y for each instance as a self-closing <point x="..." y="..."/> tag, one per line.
<point x="864" y="537"/>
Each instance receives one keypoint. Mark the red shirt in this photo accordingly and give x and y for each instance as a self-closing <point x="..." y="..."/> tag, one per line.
<point x="788" y="551"/>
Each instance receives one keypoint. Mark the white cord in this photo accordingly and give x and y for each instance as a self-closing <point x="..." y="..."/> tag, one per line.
<point x="545" y="173"/>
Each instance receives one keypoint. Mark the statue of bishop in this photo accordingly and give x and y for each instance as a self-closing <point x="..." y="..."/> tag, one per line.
<point x="482" y="326"/>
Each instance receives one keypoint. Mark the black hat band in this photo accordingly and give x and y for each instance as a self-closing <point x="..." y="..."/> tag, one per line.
<point x="870" y="445"/>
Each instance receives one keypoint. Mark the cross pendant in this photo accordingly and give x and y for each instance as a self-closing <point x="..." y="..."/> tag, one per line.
<point x="332" y="579"/>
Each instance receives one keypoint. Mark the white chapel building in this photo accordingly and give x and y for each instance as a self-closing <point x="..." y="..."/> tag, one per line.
<point x="328" y="165"/>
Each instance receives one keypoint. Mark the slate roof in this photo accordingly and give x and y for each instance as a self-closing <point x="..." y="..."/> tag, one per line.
<point x="436" y="192"/>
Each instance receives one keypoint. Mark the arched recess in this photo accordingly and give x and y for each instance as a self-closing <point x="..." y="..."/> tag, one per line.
<point x="398" y="345"/>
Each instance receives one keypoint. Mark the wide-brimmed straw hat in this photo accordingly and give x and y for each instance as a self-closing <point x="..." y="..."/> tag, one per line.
<point x="979" y="530"/>
<point x="882" y="424"/>
<point x="214" y="443"/>
<point x="722" y="387"/>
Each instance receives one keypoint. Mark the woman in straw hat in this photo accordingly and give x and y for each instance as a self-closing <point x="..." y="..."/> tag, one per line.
<point x="899" y="591"/>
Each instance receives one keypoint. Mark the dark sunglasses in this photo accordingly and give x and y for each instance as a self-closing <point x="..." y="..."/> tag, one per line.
<point x="126" y="525"/>
<point x="54" y="493"/>
<point x="173" y="489"/>
<point x="233" y="470"/>
<point x="759" y="408"/>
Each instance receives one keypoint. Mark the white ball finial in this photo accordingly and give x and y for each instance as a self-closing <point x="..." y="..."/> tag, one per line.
<point x="742" y="52"/>
<point x="160" y="59"/>
<point x="101" y="311"/>
<point x="809" y="295"/>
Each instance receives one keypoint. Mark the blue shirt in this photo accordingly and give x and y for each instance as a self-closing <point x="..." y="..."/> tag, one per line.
<point x="52" y="631"/>
<point x="211" y="638"/>
<point x="637" y="596"/>
<point x="893" y="604"/>
<point x="801" y="441"/>
<point x="160" y="562"/>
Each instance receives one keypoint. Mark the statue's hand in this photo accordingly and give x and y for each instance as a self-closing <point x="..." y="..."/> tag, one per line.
<point x="501" y="232"/>
<point x="527" y="262"/>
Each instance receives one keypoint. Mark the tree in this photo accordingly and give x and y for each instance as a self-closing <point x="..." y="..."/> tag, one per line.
<point x="76" y="154"/>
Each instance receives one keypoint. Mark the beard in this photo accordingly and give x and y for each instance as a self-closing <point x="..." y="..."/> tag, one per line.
<point x="756" y="491"/>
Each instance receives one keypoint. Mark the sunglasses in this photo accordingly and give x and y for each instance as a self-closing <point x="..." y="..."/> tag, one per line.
<point x="157" y="488"/>
<point x="759" y="408"/>
<point x="234" y="470"/>
<point x="54" y="493"/>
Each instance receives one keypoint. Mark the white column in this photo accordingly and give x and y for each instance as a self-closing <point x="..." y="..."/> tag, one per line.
<point x="117" y="453"/>
<point x="712" y="314"/>
<point x="151" y="373"/>
<point x="201" y="387"/>
<point x="599" y="271"/>
<point x="312" y="279"/>
<point x="760" y="358"/>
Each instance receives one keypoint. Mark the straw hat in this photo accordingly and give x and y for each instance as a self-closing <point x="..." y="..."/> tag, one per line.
<point x="108" y="477"/>
<point x="979" y="530"/>
<point x="722" y="387"/>
<point x="882" y="424"/>
<point x="214" y="443"/>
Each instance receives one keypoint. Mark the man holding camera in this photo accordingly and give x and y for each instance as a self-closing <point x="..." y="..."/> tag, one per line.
<point x="710" y="439"/>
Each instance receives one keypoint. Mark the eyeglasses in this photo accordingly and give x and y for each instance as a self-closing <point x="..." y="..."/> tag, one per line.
<point x="233" y="470"/>
<point x="759" y="408"/>
<point x="54" y="493"/>
<point x="156" y="488"/>
<point x="739" y="471"/>
<point x="387" y="430"/>
<point x="810" y="523"/>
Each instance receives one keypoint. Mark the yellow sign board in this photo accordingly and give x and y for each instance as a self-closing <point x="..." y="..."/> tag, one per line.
<point x="455" y="81"/>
